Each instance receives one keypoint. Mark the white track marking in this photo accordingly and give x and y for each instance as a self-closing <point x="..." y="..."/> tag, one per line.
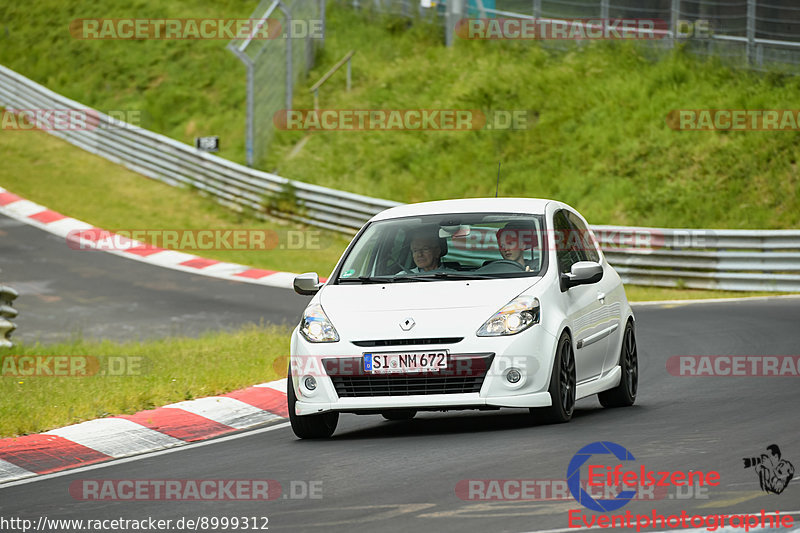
<point x="116" y="437"/>
<point x="228" y="411"/>
<point x="12" y="472"/>
<point x="185" y="447"/>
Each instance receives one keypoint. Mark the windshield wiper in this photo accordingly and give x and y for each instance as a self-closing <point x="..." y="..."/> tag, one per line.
<point x="431" y="276"/>
<point x="452" y="275"/>
<point x="466" y="275"/>
<point x="414" y="277"/>
<point x="367" y="279"/>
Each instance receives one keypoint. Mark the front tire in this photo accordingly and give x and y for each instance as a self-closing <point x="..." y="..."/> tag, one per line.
<point x="319" y="426"/>
<point x="624" y="394"/>
<point x="562" y="385"/>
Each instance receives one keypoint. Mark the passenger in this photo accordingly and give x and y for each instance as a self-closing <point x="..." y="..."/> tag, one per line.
<point x="513" y="239"/>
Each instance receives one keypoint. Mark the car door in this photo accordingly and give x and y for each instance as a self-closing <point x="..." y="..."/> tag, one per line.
<point x="583" y="307"/>
<point x="609" y="294"/>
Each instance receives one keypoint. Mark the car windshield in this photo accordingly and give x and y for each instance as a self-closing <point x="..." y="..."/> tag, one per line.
<point x="446" y="246"/>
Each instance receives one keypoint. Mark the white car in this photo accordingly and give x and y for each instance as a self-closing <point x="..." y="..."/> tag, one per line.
<point x="463" y="304"/>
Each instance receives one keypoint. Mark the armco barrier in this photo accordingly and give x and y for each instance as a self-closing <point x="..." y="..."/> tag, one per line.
<point x="7" y="296"/>
<point x="175" y="163"/>
<point x="735" y="260"/>
<point x="712" y="259"/>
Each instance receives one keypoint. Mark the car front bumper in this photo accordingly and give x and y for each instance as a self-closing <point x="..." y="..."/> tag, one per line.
<point x="531" y="352"/>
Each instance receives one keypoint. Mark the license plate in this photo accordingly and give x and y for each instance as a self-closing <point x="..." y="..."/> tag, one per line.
<point x="389" y="363"/>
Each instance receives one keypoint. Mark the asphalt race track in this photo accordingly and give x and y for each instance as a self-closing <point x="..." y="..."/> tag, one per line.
<point x="375" y="475"/>
<point x="64" y="292"/>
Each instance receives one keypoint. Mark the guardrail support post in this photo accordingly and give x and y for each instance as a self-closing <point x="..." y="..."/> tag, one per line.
<point x="7" y="296"/>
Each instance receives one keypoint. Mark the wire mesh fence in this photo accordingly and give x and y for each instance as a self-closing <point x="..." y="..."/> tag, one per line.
<point x="746" y="33"/>
<point x="274" y="65"/>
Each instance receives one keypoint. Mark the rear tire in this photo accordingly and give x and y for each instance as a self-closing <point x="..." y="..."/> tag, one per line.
<point x="624" y="394"/>
<point x="562" y="385"/>
<point x="319" y="426"/>
<point x="399" y="414"/>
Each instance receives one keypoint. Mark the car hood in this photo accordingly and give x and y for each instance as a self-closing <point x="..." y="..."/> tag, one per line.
<point x="437" y="308"/>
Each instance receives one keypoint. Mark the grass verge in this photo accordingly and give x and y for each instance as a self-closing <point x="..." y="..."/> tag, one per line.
<point x="639" y="293"/>
<point x="157" y="372"/>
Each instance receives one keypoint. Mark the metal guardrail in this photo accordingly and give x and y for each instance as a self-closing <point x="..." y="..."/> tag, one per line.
<point x="713" y="259"/>
<point x="7" y="312"/>
<point x="175" y="163"/>
<point x="736" y="260"/>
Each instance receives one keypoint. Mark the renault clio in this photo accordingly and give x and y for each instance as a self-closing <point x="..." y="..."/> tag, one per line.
<point x="463" y="304"/>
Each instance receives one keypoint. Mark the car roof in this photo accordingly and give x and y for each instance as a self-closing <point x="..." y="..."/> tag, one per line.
<point x="467" y="205"/>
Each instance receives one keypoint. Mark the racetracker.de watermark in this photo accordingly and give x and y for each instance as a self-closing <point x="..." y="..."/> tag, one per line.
<point x="561" y="29"/>
<point x="194" y="28"/>
<point x="72" y="366"/>
<point x="402" y="119"/>
<point x="734" y="119"/>
<point x="734" y="365"/>
<point x="144" y="240"/>
<point x="193" y="490"/>
<point x="610" y="239"/>
<point x="52" y="119"/>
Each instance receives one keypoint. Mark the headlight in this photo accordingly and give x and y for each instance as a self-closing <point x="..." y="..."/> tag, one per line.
<point x="517" y="315"/>
<point x="316" y="327"/>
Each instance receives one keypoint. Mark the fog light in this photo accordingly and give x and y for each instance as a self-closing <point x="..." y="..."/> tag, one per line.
<point x="310" y="382"/>
<point x="513" y="376"/>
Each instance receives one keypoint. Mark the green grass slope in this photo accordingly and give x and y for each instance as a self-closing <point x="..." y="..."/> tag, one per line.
<point x="183" y="88"/>
<point x="599" y="140"/>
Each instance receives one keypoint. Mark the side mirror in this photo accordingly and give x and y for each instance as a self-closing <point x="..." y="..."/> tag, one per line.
<point x="307" y="284"/>
<point x="583" y="273"/>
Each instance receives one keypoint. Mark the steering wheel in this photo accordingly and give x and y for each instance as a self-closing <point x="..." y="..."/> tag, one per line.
<point x="508" y="262"/>
<point x="392" y="262"/>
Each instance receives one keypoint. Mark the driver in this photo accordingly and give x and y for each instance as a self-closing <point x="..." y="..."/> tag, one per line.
<point x="513" y="239"/>
<point x="426" y="251"/>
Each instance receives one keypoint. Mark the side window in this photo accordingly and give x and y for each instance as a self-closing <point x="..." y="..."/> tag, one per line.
<point x="567" y="251"/>
<point x="360" y="264"/>
<point x="583" y="238"/>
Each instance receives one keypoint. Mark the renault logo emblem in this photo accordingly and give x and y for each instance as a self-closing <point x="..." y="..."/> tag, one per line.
<point x="407" y="324"/>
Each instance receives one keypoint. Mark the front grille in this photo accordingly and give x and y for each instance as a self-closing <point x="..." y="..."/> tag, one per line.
<point x="406" y="342"/>
<point x="464" y="373"/>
